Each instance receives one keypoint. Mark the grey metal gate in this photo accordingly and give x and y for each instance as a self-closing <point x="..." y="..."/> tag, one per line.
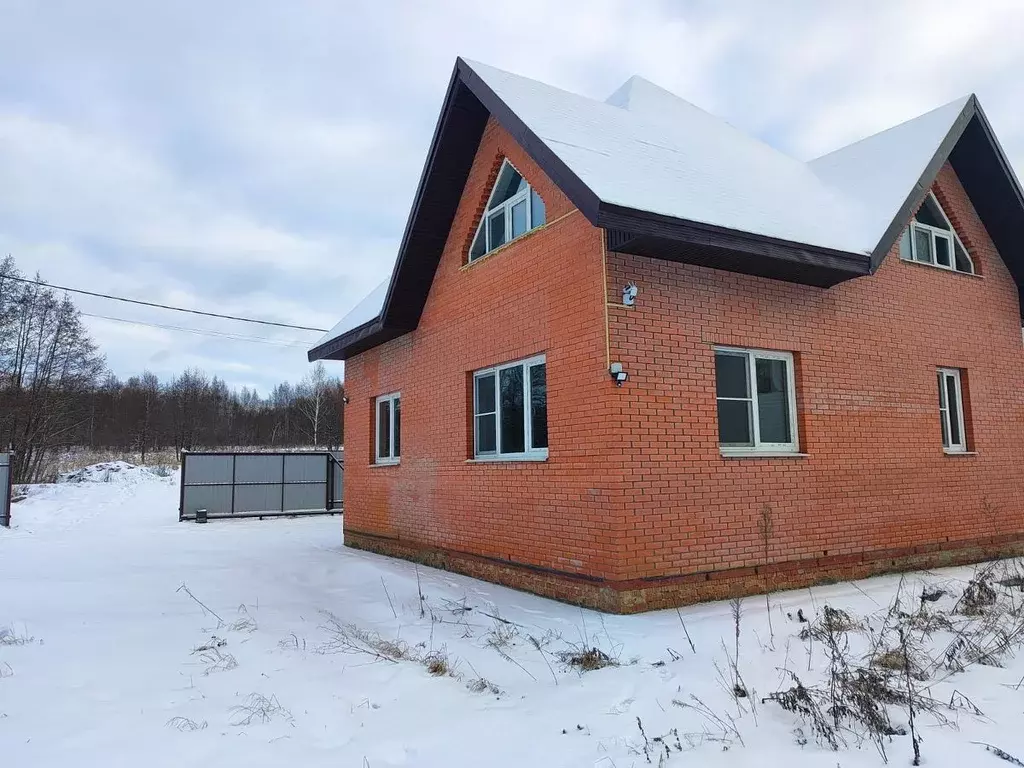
<point x="236" y="484"/>
<point x="6" y="488"/>
<point x="336" y="462"/>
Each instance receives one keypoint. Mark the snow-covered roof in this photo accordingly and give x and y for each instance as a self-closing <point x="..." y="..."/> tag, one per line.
<point x="645" y="152"/>
<point x="880" y="171"/>
<point x="647" y="149"/>
<point x="363" y="312"/>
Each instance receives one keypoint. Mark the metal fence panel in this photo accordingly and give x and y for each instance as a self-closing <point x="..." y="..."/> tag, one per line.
<point x="258" y="468"/>
<point x="5" y="489"/>
<point x="299" y="468"/>
<point x="260" y="484"/>
<point x="259" y="498"/>
<point x="215" y="499"/>
<point x="307" y="496"/>
<point x="206" y="468"/>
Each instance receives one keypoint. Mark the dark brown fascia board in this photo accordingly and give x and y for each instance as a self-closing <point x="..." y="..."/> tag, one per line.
<point x="1000" y="153"/>
<point x="338" y="347"/>
<point x="563" y="177"/>
<point x="442" y="122"/>
<point x="920" y="189"/>
<point x="642" y="223"/>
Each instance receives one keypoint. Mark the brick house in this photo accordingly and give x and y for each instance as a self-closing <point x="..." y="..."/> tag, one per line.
<point x="622" y="334"/>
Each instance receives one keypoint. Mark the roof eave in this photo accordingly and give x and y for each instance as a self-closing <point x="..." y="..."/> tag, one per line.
<point x="347" y="344"/>
<point x="665" y="237"/>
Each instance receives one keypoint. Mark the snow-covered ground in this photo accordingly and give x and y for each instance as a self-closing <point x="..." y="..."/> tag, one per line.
<point x="317" y="655"/>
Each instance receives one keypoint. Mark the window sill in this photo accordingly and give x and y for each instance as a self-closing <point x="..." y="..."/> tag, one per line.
<point x="763" y="455"/>
<point x="379" y="464"/>
<point x="941" y="268"/>
<point x="507" y="459"/>
<point x="959" y="453"/>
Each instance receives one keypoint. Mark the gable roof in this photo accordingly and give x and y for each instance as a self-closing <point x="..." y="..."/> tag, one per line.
<point x="666" y="179"/>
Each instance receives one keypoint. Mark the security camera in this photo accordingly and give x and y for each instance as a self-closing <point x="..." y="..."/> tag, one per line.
<point x="629" y="294"/>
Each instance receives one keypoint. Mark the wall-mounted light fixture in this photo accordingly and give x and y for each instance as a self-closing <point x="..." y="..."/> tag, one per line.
<point x="629" y="293"/>
<point x="619" y="375"/>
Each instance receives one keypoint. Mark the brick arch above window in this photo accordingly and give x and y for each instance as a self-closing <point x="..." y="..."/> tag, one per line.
<point x="511" y="209"/>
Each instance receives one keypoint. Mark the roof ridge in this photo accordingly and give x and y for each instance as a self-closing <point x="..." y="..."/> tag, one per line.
<point x="962" y="101"/>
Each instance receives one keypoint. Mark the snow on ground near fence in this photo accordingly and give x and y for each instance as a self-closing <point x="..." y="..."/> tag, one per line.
<point x="304" y="652"/>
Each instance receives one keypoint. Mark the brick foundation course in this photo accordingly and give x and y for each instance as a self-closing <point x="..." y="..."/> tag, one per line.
<point x="641" y="595"/>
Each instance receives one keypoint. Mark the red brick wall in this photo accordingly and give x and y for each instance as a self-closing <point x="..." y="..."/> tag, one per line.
<point x="635" y="499"/>
<point x="543" y="293"/>
<point x="875" y="477"/>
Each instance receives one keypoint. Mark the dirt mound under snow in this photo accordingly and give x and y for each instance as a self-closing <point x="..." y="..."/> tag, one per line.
<point x="117" y="472"/>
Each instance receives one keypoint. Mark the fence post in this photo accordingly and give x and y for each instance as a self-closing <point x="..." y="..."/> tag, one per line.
<point x="5" y="510"/>
<point x="282" y="482"/>
<point x="181" y="483"/>
<point x="329" y="485"/>
<point x="234" y="479"/>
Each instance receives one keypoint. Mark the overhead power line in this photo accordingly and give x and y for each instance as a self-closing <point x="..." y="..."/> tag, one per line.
<point x="205" y="332"/>
<point x="163" y="306"/>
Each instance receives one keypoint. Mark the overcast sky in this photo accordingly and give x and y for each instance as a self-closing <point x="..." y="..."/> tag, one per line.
<point x="259" y="157"/>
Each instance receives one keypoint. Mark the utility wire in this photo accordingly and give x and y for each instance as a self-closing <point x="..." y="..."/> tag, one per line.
<point x="162" y="306"/>
<point x="205" y="332"/>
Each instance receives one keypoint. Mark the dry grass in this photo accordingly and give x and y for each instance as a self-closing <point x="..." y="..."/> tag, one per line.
<point x="586" y="659"/>
<point x="257" y="708"/>
<point x="11" y="636"/>
<point x="185" y="724"/>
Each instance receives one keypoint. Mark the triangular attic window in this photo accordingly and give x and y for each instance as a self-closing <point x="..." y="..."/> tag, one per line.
<point x="513" y="209"/>
<point x="931" y="239"/>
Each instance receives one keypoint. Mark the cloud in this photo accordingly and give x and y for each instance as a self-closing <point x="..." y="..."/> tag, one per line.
<point x="259" y="158"/>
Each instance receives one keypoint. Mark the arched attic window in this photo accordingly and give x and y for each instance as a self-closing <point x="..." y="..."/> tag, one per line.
<point x="931" y="239"/>
<point x="513" y="209"/>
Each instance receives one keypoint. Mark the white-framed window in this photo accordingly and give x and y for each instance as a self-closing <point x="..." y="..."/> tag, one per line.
<point x="510" y="410"/>
<point x="951" y="411"/>
<point x="389" y="428"/>
<point x="756" y="396"/>
<point x="513" y="209"/>
<point x="931" y="239"/>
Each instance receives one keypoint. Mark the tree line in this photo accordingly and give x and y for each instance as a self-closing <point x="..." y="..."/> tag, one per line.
<point x="56" y="393"/>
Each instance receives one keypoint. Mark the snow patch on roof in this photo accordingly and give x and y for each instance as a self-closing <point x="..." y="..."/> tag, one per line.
<point x="648" y="149"/>
<point x="879" y="172"/>
<point x="366" y="310"/>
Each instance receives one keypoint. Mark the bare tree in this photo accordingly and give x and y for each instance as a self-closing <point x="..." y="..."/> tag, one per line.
<point x="312" y="400"/>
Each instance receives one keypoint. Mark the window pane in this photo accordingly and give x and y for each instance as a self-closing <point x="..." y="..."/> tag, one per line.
<point x="943" y="416"/>
<point x="485" y="393"/>
<point x="923" y="246"/>
<point x="734" y="422"/>
<point x="497" y="229"/>
<point x="486" y="435"/>
<point x="772" y="400"/>
<point x="731" y="375"/>
<point x="479" y="245"/>
<point x="538" y="214"/>
<point x="539" y="406"/>
<point x="942" y="254"/>
<point x="519" y="219"/>
<point x="954" y="411"/>
<point x="930" y="214"/>
<point x="905" y="253"/>
<point x="509" y="184"/>
<point x="963" y="263"/>
<point x="383" y="429"/>
<point x="513" y="416"/>
<point x="398" y="428"/>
